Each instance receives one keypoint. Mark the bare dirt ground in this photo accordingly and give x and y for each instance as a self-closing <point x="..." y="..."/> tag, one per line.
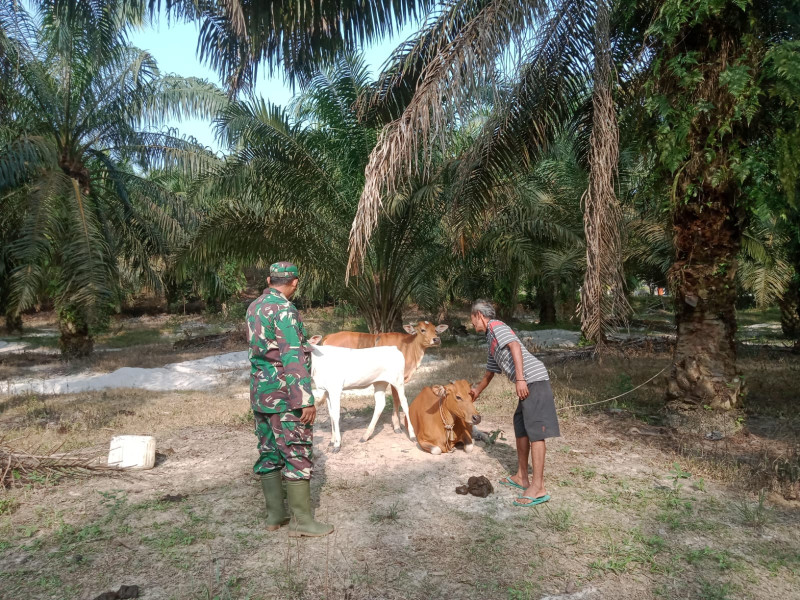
<point x="636" y="511"/>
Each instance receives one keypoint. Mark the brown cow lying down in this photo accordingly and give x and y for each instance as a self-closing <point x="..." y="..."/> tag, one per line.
<point x="443" y="415"/>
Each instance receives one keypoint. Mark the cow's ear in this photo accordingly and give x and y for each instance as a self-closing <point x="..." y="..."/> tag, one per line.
<point x="410" y="329"/>
<point x="441" y="328"/>
<point x="314" y="340"/>
<point x="439" y="390"/>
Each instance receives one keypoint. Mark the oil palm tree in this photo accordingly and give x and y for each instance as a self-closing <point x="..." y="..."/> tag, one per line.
<point x="708" y="105"/>
<point x="236" y="37"/>
<point x="290" y="188"/>
<point x="80" y="138"/>
<point x="538" y="232"/>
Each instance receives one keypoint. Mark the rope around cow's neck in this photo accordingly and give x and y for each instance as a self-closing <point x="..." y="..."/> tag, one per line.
<point x="617" y="396"/>
<point x="449" y="434"/>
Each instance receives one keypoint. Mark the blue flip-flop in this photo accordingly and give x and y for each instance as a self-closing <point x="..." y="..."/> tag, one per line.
<point x="533" y="501"/>
<point x="507" y="481"/>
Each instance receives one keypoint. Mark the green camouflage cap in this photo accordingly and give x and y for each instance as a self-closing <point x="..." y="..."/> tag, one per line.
<point x="283" y="269"/>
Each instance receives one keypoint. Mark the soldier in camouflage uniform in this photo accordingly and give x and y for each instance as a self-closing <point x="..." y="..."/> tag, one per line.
<point x="282" y="403"/>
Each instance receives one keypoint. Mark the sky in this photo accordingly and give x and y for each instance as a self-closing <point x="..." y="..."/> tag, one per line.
<point x="174" y="45"/>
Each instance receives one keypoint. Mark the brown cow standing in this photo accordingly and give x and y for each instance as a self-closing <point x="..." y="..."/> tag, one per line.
<point x="443" y="415"/>
<point x="413" y="344"/>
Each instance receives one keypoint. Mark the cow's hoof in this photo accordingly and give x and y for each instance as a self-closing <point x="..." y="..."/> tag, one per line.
<point x="336" y="449"/>
<point x="436" y="450"/>
<point x="362" y="440"/>
<point x="398" y="430"/>
<point x="413" y="438"/>
<point x="468" y="448"/>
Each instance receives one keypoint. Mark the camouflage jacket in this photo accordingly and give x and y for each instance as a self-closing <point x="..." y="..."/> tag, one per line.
<point x="280" y="356"/>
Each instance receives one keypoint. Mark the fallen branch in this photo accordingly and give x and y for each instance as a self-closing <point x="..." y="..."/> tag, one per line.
<point x="17" y="465"/>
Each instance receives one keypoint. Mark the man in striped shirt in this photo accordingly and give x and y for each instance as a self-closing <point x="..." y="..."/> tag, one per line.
<point x="535" y="418"/>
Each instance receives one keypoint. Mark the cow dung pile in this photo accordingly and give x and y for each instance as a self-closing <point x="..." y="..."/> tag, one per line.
<point x="477" y="486"/>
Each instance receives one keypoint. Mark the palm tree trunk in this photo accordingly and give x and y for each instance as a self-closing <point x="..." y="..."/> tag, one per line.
<point x="395" y="321"/>
<point x="13" y="323"/>
<point x="707" y="238"/>
<point x="76" y="341"/>
<point x="790" y="301"/>
<point x="546" y="297"/>
<point x="508" y="294"/>
<point x="603" y="298"/>
<point x="790" y="311"/>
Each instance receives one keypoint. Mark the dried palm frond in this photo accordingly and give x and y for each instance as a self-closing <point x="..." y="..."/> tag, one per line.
<point x="452" y="63"/>
<point x="17" y="466"/>
<point x="466" y="61"/>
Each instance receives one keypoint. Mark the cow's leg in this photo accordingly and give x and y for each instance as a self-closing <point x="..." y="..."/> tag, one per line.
<point x="320" y="397"/>
<point x="396" y="406"/>
<point x="404" y="403"/>
<point x="466" y="439"/>
<point x="334" y="410"/>
<point x="430" y="448"/>
<point x="380" y="404"/>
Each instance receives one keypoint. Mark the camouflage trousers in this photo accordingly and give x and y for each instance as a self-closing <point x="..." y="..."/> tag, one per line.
<point x="283" y="443"/>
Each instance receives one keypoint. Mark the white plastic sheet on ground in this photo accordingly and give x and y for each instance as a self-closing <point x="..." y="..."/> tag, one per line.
<point x="551" y="338"/>
<point x="204" y="373"/>
<point x="11" y="347"/>
<point x="188" y="375"/>
<point x="200" y="374"/>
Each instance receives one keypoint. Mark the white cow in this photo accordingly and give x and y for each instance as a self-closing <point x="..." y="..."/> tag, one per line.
<point x="336" y="369"/>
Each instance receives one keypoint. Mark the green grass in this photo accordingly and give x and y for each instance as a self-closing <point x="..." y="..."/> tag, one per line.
<point x="776" y="556"/>
<point x="488" y="543"/>
<point x="390" y="514"/>
<point x="524" y="590"/>
<point x="715" y="590"/>
<point x="44" y="341"/>
<point x="587" y="474"/>
<point x="8" y="506"/>
<point x="291" y="585"/>
<point x="220" y="589"/>
<point x="754" y="514"/>
<point x="755" y="316"/>
<point x="560" y="519"/>
<point x="634" y="550"/>
<point x="170" y="538"/>
<point x="721" y="559"/>
<point x="69" y="536"/>
<point x="131" y="337"/>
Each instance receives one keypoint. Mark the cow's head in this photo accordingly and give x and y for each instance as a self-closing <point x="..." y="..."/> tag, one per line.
<point x="457" y="400"/>
<point x="427" y="333"/>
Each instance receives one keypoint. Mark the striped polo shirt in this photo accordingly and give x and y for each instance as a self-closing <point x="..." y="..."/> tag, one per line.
<point x="498" y="336"/>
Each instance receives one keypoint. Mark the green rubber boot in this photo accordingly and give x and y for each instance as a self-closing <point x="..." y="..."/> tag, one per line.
<point x="273" y="496"/>
<point x="303" y="524"/>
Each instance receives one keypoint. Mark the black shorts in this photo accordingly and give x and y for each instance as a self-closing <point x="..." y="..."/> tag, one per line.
<point x="535" y="417"/>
